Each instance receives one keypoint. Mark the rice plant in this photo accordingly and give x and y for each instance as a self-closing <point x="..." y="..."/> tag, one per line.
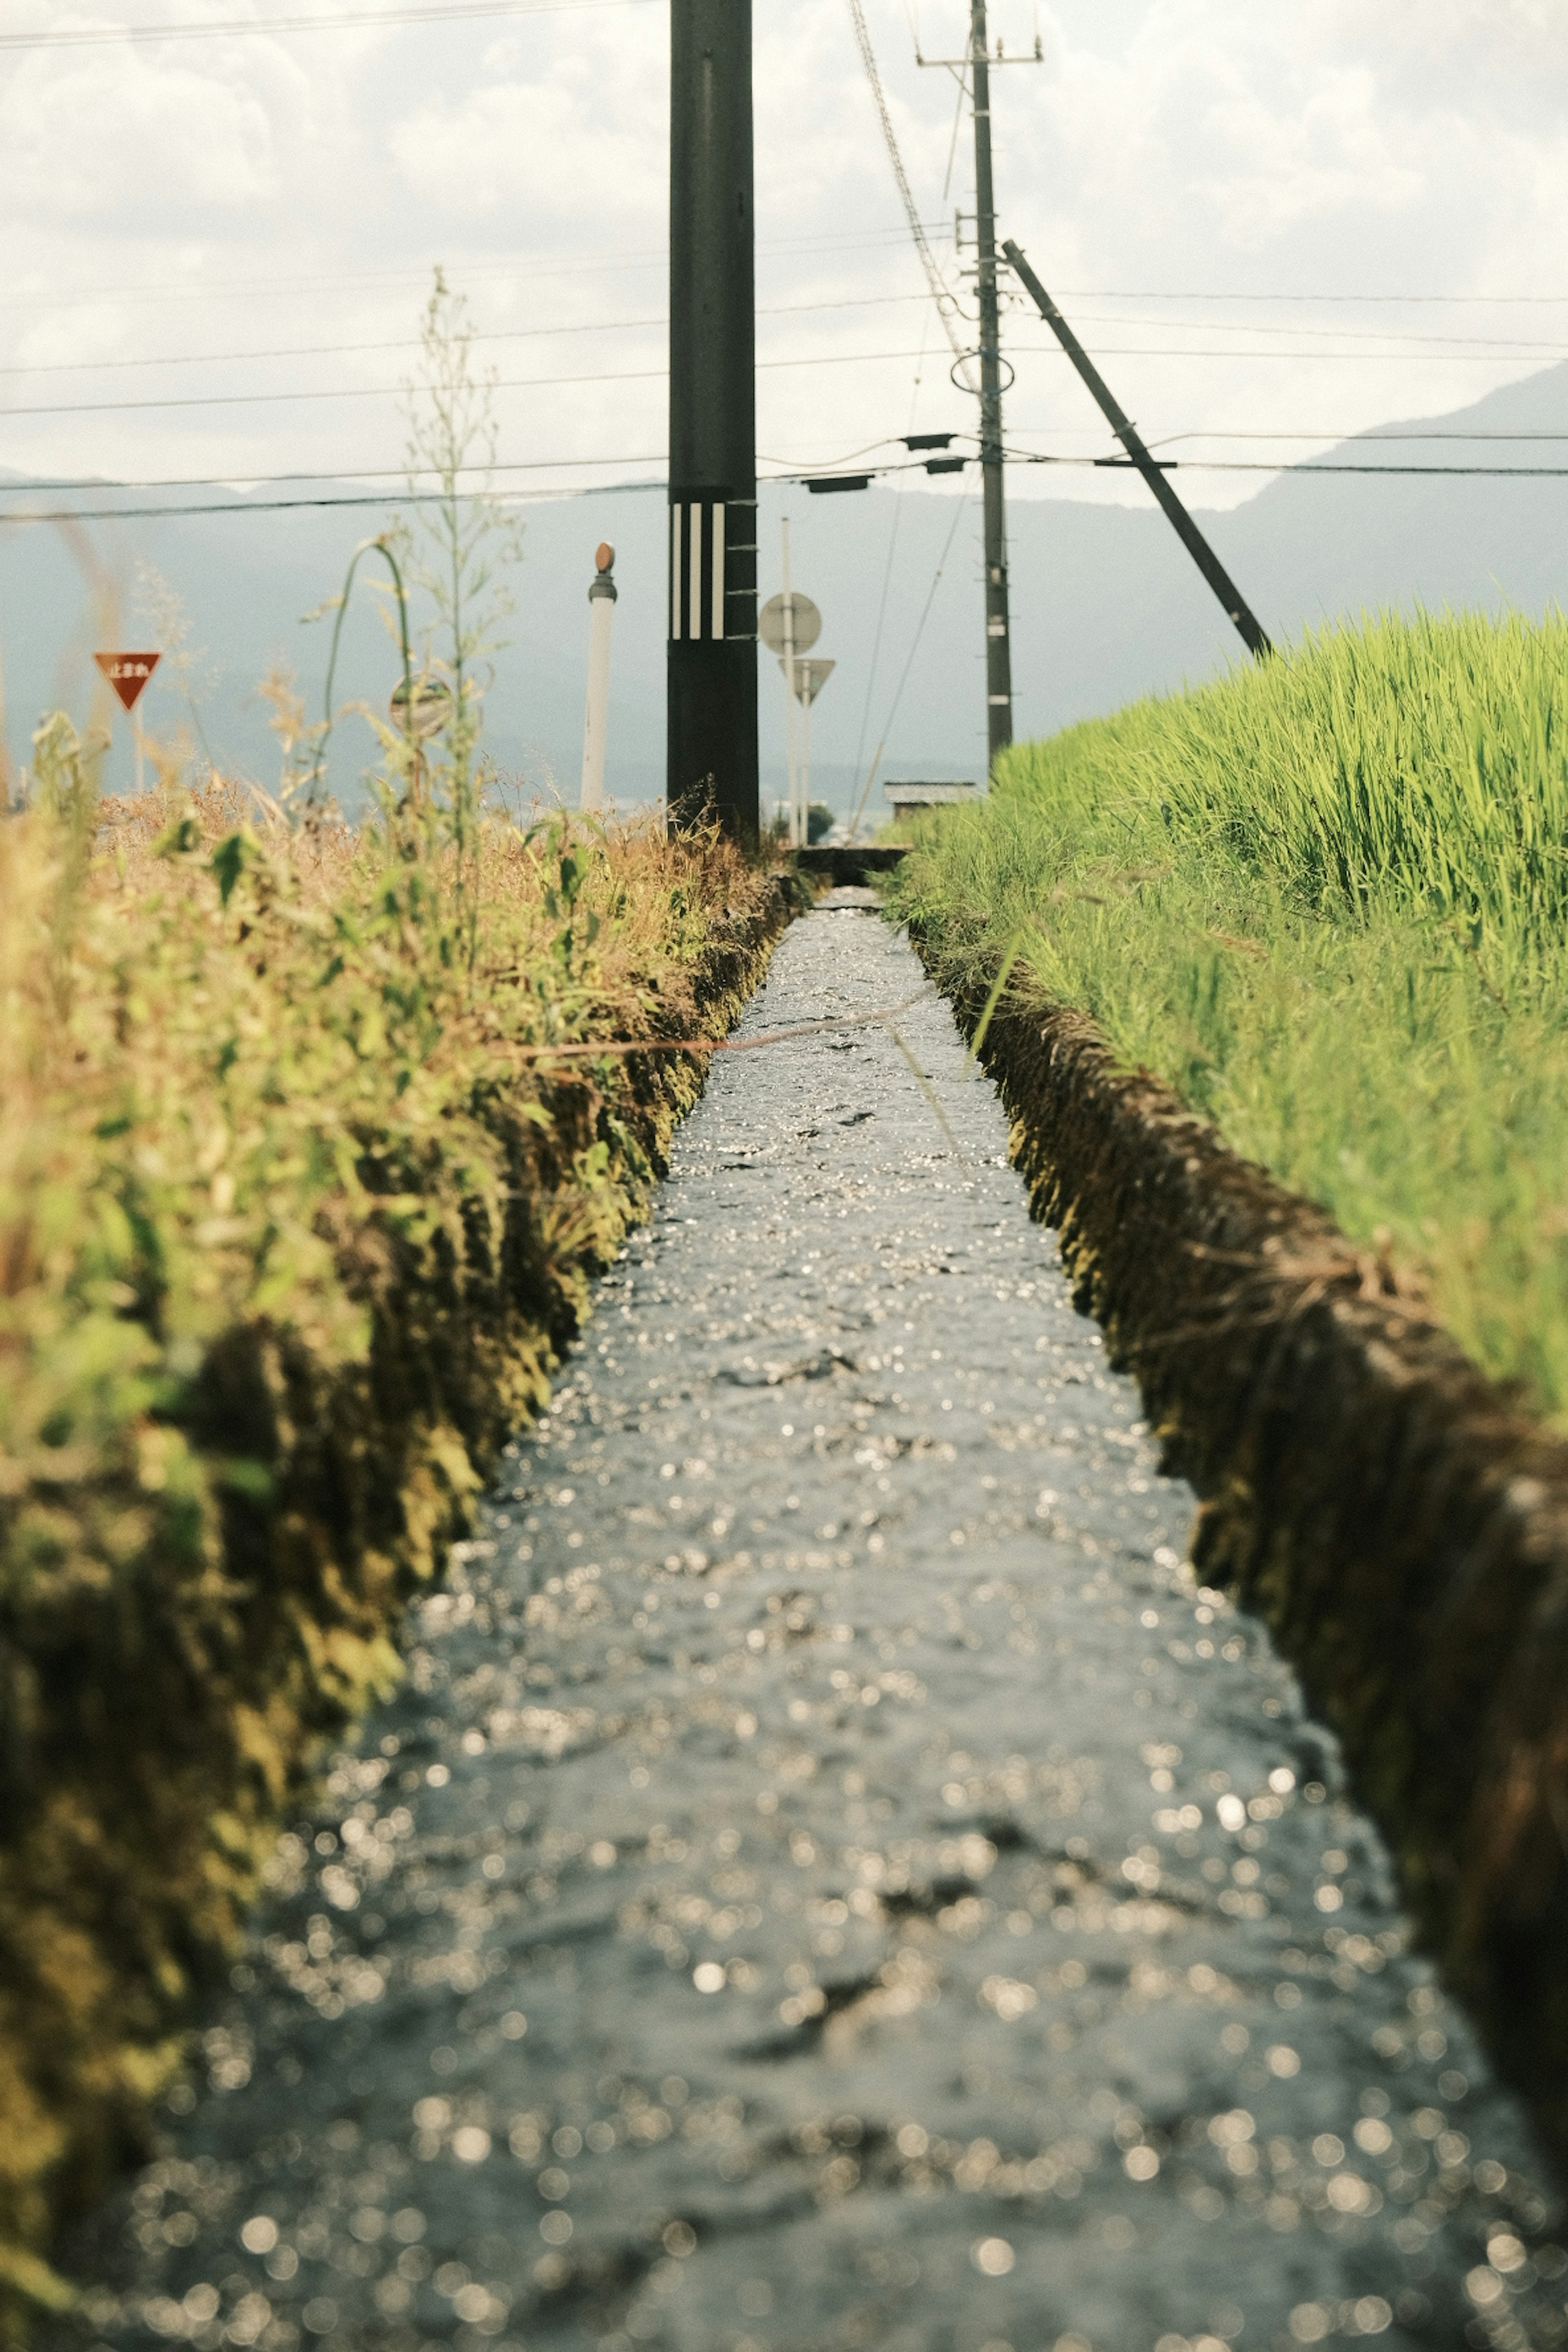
<point x="1327" y="898"/>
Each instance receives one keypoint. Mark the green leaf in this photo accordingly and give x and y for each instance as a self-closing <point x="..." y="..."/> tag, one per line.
<point x="234" y="852"/>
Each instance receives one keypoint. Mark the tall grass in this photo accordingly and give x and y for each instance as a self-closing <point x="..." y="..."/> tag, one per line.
<point x="1328" y="899"/>
<point x="297" y="1204"/>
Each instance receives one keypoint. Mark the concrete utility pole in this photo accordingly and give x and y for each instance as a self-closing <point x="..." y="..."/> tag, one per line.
<point x="711" y="743"/>
<point x="974" y="71"/>
<point x="999" y="642"/>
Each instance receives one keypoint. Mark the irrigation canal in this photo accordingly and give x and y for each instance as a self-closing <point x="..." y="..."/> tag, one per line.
<point x="830" y="1878"/>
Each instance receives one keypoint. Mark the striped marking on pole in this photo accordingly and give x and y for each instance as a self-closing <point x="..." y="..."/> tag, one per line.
<point x="694" y="571"/>
<point x="718" y="569"/>
<point x="675" y="544"/>
<point x="698" y="571"/>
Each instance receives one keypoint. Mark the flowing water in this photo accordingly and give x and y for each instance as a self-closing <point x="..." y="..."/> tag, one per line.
<point x="831" y="1878"/>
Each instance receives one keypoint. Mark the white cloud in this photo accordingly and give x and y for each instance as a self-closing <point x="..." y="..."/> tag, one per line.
<point x="579" y="139"/>
<point x="115" y="137"/>
<point x="267" y="193"/>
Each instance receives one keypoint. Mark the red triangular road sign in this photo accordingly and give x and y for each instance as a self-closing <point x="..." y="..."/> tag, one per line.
<point x="128" y="673"/>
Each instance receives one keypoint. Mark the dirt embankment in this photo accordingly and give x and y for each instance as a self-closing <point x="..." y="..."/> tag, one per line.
<point x="1398" y="1520"/>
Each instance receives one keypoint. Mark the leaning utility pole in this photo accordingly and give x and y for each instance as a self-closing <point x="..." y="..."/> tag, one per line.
<point x="1238" y="610"/>
<point x="711" y="741"/>
<point x="999" y="643"/>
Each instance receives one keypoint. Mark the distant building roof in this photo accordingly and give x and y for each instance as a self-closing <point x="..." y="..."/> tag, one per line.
<point x="913" y="796"/>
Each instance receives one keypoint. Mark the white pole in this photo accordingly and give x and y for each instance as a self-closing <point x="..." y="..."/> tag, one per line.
<point x="796" y="833"/>
<point x="806" y="759"/>
<point x="595" y="724"/>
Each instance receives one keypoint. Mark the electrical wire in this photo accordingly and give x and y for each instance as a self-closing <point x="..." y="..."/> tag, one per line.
<point x="791" y="470"/>
<point x="359" y="21"/>
<point x="1357" y="432"/>
<point x="294" y="285"/>
<point x="392" y="475"/>
<point x="638" y="375"/>
<point x="242" y="507"/>
<point x="962" y="506"/>
<point x="945" y="302"/>
<point x="1543" y="351"/>
<point x="1529" y="344"/>
<point x="882" y="604"/>
<point x="1155" y="294"/>
<point x="1307" y="467"/>
<point x="471" y="272"/>
<point x="412" y="342"/>
<point x="1533" y="348"/>
<point x="283" y="505"/>
<point x="393" y="391"/>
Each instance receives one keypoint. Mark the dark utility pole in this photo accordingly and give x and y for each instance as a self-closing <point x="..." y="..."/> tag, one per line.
<point x="712" y="750"/>
<point x="998" y="644"/>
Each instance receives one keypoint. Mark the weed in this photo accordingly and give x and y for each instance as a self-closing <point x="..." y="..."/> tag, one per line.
<point x="301" y="1190"/>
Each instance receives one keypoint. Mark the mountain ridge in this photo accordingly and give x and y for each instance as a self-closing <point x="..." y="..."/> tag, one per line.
<point x="1107" y="605"/>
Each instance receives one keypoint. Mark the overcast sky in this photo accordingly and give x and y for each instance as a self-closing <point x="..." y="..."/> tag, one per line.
<point x="1205" y="184"/>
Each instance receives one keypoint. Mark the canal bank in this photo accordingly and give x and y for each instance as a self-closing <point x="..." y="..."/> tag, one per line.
<point x="832" y="1876"/>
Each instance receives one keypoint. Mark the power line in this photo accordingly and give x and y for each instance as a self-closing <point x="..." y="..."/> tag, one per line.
<point x="361" y="20"/>
<point x="1334" y="466"/>
<point x="638" y="375"/>
<point x="412" y="342"/>
<point x="391" y="474"/>
<point x="944" y="301"/>
<point x="887" y="582"/>
<point x="470" y="272"/>
<point x="1324" y="334"/>
<point x="241" y="507"/>
<point x="280" y="506"/>
<point x="791" y="470"/>
<point x="963" y="506"/>
<point x="1156" y="294"/>
<point x="1532" y="348"/>
<point x="1541" y="351"/>
<point x="1354" y="433"/>
<point x="787" y="469"/>
<point x="392" y="391"/>
<point x="294" y="284"/>
<point x="1307" y="467"/>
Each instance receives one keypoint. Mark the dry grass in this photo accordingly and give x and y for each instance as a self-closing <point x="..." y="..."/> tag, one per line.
<point x="294" y="1214"/>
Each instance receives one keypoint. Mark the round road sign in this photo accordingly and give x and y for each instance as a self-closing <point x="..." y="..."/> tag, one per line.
<point x="807" y="624"/>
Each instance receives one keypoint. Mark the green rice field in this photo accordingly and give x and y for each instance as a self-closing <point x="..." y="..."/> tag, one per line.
<point x="1325" y="899"/>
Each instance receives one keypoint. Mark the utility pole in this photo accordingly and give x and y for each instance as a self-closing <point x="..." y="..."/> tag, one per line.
<point x="999" y="642"/>
<point x="1238" y="610"/>
<point x="973" y="69"/>
<point x="711" y="739"/>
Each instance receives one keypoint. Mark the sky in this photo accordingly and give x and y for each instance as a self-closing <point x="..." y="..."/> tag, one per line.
<point x="1274" y="225"/>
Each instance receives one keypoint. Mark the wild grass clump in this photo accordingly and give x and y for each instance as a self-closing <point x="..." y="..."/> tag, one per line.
<point x="298" y="1201"/>
<point x="1327" y="898"/>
